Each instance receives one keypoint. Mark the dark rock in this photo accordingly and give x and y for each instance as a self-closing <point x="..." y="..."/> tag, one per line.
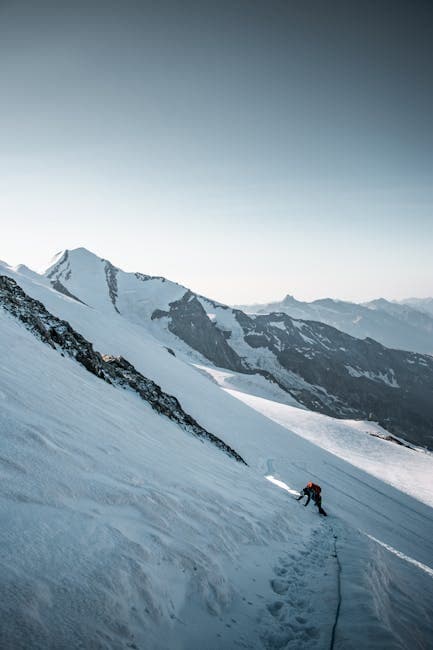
<point x="111" y="278"/>
<point x="392" y="439"/>
<point x="189" y="321"/>
<point x="58" y="286"/>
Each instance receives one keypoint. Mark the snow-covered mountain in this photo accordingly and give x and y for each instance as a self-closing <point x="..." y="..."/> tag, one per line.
<point x="319" y="366"/>
<point x="124" y="528"/>
<point x="405" y="326"/>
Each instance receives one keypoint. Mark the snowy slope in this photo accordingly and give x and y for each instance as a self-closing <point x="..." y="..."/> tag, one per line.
<point x="392" y="324"/>
<point x="121" y="530"/>
<point x="363" y="444"/>
<point x="104" y="510"/>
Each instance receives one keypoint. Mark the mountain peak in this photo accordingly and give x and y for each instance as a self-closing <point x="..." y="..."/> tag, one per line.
<point x="288" y="299"/>
<point x="80" y="255"/>
<point x="378" y="301"/>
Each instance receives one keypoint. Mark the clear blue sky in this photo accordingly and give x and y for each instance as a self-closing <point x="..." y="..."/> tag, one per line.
<point x="246" y="149"/>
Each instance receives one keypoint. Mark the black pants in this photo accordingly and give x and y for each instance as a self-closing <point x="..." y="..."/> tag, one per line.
<point x="318" y="502"/>
<point x="316" y="498"/>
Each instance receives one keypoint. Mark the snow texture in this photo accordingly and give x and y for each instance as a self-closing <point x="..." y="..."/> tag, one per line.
<point x="120" y="531"/>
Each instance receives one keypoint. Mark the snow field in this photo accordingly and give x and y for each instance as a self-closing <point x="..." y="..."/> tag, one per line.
<point x="120" y="528"/>
<point x="346" y="439"/>
<point x="116" y="524"/>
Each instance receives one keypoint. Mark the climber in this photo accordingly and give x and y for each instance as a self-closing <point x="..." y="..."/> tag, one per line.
<point x="311" y="490"/>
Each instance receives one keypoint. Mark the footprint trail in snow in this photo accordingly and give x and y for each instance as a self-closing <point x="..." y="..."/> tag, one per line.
<point x="302" y="617"/>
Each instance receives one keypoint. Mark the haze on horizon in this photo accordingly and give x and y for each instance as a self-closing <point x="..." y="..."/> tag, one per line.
<point x="244" y="149"/>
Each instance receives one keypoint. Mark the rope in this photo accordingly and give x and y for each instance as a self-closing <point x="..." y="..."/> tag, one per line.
<point x="337" y="613"/>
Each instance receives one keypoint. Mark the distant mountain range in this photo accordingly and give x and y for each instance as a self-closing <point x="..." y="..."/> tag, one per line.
<point x="424" y="305"/>
<point x="322" y="367"/>
<point x="406" y="326"/>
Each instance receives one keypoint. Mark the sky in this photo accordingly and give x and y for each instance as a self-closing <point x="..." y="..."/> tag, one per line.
<point x="244" y="149"/>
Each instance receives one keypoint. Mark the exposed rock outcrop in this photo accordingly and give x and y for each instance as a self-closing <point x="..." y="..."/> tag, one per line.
<point x="111" y="277"/>
<point x="189" y="321"/>
<point x="58" y="286"/>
